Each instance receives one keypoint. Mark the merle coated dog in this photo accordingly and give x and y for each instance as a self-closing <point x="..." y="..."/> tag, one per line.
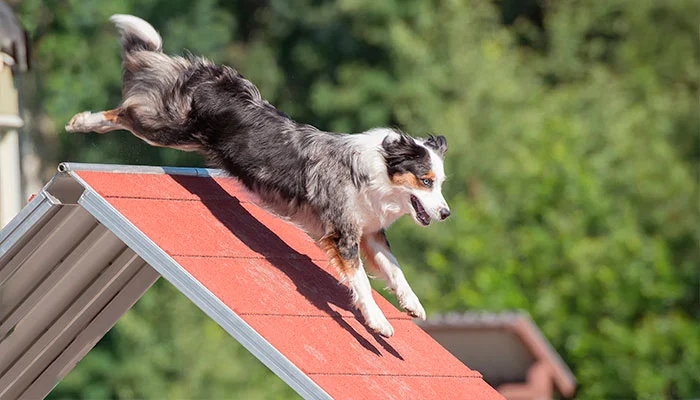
<point x="342" y="189"/>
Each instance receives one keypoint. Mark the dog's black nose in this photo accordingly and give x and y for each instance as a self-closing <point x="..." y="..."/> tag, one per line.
<point x="444" y="213"/>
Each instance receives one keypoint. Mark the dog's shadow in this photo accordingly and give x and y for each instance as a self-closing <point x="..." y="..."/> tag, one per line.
<point x="212" y="196"/>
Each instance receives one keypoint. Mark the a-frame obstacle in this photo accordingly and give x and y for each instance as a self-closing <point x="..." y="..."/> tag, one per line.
<point x="93" y="241"/>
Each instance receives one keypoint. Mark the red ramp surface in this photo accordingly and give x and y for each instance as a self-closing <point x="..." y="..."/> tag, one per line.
<point x="269" y="285"/>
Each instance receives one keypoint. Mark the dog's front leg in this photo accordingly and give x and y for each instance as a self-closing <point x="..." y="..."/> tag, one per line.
<point x="375" y="247"/>
<point x="344" y="254"/>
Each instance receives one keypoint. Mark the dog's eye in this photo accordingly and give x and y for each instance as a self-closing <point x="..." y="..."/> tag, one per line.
<point x="427" y="182"/>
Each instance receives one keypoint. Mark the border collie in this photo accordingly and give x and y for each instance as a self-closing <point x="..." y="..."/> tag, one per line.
<point x="342" y="189"/>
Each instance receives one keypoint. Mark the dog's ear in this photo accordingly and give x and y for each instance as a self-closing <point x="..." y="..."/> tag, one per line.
<point x="437" y="143"/>
<point x="399" y="149"/>
<point x="401" y="146"/>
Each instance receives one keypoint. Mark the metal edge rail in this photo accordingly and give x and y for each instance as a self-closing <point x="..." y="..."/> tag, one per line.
<point x="67" y="167"/>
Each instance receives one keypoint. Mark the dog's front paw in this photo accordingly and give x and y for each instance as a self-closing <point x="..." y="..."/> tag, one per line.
<point x="411" y="304"/>
<point x="377" y="322"/>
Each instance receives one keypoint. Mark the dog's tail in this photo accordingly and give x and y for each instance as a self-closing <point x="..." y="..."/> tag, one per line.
<point x="136" y="34"/>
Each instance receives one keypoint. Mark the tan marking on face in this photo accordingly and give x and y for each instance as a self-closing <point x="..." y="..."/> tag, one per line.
<point x="405" y="179"/>
<point x="410" y="180"/>
<point x="430" y="175"/>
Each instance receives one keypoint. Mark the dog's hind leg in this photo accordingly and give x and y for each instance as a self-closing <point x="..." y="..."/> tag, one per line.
<point x="100" y="122"/>
<point x="344" y="254"/>
<point x="112" y="120"/>
<point x="375" y="248"/>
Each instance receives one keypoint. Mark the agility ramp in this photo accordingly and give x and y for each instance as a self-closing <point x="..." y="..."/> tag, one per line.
<point x="95" y="239"/>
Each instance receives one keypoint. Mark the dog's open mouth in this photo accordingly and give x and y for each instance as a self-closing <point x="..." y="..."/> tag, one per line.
<point x="421" y="214"/>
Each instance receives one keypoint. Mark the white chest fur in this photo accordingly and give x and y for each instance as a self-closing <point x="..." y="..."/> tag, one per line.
<point x="379" y="203"/>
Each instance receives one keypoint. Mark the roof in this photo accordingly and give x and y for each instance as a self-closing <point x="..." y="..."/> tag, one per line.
<point x="83" y="251"/>
<point x="503" y="346"/>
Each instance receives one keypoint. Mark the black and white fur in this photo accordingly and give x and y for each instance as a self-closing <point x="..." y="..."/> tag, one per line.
<point x="344" y="190"/>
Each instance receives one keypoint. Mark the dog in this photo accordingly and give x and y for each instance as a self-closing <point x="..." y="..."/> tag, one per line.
<point x="344" y="190"/>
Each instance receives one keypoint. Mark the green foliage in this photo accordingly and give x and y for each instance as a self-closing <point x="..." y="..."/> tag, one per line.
<point x="166" y="348"/>
<point x="573" y="167"/>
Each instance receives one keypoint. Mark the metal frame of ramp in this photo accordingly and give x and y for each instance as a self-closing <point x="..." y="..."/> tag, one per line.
<point x="93" y="241"/>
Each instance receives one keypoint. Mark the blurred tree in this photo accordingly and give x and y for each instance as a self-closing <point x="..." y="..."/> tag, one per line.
<point x="574" y="147"/>
<point x="165" y="347"/>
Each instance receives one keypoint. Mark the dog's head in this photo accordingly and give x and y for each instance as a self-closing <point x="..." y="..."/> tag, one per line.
<point x="415" y="167"/>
